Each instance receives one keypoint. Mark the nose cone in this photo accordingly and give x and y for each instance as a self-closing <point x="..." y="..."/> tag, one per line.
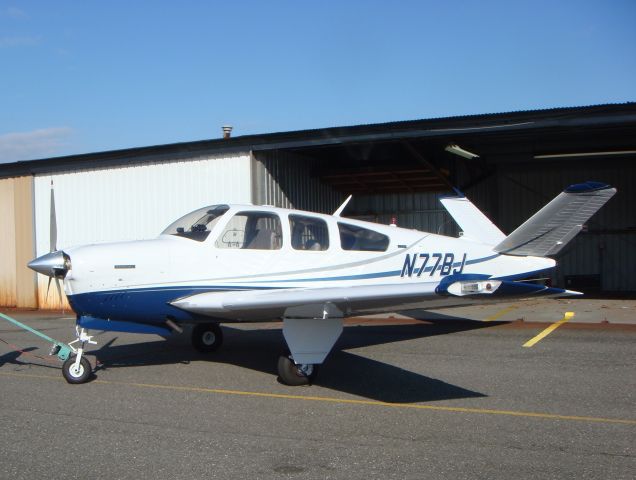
<point x="54" y="264"/>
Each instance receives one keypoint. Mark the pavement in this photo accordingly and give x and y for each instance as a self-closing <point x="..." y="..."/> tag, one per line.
<point x="452" y="393"/>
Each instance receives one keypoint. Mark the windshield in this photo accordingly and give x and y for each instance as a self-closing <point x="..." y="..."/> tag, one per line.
<point x="197" y="225"/>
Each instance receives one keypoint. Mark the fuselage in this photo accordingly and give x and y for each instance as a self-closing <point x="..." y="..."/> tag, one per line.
<point x="135" y="281"/>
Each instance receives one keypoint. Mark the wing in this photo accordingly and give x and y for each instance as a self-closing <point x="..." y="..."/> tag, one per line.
<point x="345" y="301"/>
<point x="276" y="302"/>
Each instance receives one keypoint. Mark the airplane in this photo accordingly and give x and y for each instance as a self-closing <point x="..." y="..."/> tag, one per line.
<point x="248" y="263"/>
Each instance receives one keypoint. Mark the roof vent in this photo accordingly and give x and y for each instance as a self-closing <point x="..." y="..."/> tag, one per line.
<point x="227" y="131"/>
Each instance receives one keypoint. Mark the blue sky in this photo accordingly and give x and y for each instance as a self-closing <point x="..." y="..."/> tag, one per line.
<point x="88" y="76"/>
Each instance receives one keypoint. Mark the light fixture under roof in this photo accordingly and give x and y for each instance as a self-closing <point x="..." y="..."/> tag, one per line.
<point x="453" y="148"/>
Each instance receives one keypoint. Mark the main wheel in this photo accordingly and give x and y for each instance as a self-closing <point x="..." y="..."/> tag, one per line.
<point x="81" y="374"/>
<point x="207" y="337"/>
<point x="295" y="375"/>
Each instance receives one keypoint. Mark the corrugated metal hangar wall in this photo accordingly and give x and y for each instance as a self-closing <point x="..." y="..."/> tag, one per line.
<point x="284" y="179"/>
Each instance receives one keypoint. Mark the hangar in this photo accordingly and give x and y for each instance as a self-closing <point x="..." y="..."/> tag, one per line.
<point x="509" y="164"/>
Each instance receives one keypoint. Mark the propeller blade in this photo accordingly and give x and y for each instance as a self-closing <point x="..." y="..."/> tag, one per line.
<point x="59" y="292"/>
<point x="48" y="288"/>
<point x="53" y="221"/>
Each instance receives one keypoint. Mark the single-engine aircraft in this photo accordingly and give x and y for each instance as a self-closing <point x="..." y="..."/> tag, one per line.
<point x="245" y="263"/>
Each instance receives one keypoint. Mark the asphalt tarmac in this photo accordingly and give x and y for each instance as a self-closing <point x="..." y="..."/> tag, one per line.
<point x="416" y="396"/>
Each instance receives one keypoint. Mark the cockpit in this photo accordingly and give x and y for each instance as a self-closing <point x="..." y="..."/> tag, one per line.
<point x="197" y="225"/>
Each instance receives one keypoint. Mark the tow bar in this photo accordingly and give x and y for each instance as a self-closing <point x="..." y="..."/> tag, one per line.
<point x="62" y="350"/>
<point x="75" y="369"/>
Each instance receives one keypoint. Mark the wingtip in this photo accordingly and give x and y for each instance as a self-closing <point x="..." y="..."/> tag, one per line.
<point x="589" y="186"/>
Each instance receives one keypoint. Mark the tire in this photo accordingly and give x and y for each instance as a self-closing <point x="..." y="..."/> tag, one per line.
<point x="82" y="374"/>
<point x="290" y="374"/>
<point x="207" y="338"/>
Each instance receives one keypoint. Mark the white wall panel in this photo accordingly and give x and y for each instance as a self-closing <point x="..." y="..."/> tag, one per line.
<point x="133" y="202"/>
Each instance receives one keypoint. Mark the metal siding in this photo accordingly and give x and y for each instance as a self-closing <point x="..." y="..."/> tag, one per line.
<point x="7" y="244"/>
<point x="284" y="179"/>
<point x="26" y="282"/>
<point x="484" y="194"/>
<point x="133" y="202"/>
<point x="421" y="211"/>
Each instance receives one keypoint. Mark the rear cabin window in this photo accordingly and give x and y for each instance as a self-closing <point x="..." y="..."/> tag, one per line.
<point x="362" y="239"/>
<point x="252" y="231"/>
<point x="197" y="225"/>
<point x="308" y="233"/>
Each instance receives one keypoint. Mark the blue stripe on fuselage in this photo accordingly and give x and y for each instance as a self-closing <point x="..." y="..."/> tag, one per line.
<point x="143" y="305"/>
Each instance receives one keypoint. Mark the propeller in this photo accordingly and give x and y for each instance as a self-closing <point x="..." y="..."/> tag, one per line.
<point x="56" y="263"/>
<point x="53" y="222"/>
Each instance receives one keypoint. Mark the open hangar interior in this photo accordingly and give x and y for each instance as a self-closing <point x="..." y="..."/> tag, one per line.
<point x="524" y="160"/>
<point x="395" y="171"/>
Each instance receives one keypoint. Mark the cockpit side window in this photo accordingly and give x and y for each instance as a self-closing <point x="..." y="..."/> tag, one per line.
<point x="252" y="231"/>
<point x="308" y="233"/>
<point x="197" y="225"/>
<point x="362" y="239"/>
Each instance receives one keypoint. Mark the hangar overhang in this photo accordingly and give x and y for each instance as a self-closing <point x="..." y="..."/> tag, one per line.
<point x="407" y="146"/>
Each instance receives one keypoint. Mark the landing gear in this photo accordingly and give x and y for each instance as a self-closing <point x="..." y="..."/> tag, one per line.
<point x="74" y="373"/>
<point x="295" y="375"/>
<point x="207" y="338"/>
<point x="310" y="332"/>
<point x="78" y="369"/>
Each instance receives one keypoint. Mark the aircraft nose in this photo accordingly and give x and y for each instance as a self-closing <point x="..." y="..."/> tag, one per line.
<point x="54" y="264"/>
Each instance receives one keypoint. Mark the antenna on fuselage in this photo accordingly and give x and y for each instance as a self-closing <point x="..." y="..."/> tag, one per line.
<point x="342" y="207"/>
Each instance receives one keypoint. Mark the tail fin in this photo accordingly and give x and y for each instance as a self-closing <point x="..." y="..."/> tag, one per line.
<point x="552" y="227"/>
<point x="475" y="225"/>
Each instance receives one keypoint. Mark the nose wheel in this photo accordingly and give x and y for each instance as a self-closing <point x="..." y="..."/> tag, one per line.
<point x="76" y="372"/>
<point x="293" y="374"/>
<point x="78" y="369"/>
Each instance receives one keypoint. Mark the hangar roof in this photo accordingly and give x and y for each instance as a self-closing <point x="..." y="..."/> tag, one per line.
<point x="487" y="133"/>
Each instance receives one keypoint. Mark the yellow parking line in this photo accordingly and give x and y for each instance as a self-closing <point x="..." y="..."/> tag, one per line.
<point x="500" y="313"/>
<point x="550" y="329"/>
<point x="345" y="401"/>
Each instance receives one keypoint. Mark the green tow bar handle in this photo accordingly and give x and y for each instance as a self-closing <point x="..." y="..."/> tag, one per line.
<point x="62" y="350"/>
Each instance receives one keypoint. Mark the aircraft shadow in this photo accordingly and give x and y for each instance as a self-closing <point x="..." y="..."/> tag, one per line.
<point x="11" y="358"/>
<point x="343" y="371"/>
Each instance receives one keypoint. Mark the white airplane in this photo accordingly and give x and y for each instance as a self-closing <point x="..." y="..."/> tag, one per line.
<point x="243" y="263"/>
